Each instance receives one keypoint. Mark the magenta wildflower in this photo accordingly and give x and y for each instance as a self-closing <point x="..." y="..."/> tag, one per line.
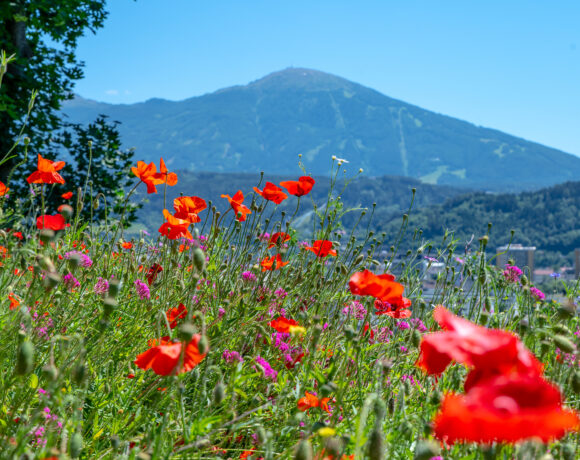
<point x="537" y="294"/>
<point x="248" y="276"/>
<point x="232" y="357"/>
<point x="70" y="281"/>
<point x="512" y="273"/>
<point x="85" y="260"/>
<point x="142" y="290"/>
<point x="355" y="309"/>
<point x="101" y="287"/>
<point x="269" y="373"/>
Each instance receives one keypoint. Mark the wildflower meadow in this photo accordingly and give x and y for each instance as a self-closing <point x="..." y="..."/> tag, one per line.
<point x="233" y="335"/>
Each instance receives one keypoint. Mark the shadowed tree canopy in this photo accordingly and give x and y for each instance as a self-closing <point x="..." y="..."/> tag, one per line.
<point x="42" y="35"/>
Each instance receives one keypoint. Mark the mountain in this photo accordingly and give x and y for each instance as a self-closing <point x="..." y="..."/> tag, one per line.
<point x="264" y="125"/>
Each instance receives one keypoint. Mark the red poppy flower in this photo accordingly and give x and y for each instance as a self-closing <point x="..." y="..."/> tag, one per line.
<point x="271" y="192"/>
<point x="127" y="245"/>
<point x="164" y="358"/>
<point x="278" y="238"/>
<point x="309" y="401"/>
<point x="55" y="222"/>
<point x="505" y="409"/>
<point x="148" y="175"/>
<point x="14" y="302"/>
<point x="300" y="187"/>
<point x="3" y="189"/>
<point x="322" y="248"/>
<point x="174" y="314"/>
<point x="188" y="208"/>
<point x="236" y="204"/>
<point x="174" y="227"/>
<point x="169" y="178"/>
<point x="67" y="195"/>
<point x="282" y="324"/>
<point x="382" y="287"/>
<point x="46" y="172"/>
<point x="247" y="453"/>
<point x="272" y="263"/>
<point x="490" y="352"/>
<point x="18" y="235"/>
<point x="152" y="273"/>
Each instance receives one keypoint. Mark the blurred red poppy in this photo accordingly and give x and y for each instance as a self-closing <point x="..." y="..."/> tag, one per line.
<point x="67" y="195"/>
<point x="236" y="203"/>
<point x="322" y="248"/>
<point x="300" y="187"/>
<point x="164" y="358"/>
<point x="278" y="238"/>
<point x="490" y="352"/>
<point x="505" y="409"/>
<point x="282" y="324"/>
<point x="127" y="245"/>
<point x="46" y="172"/>
<point x="176" y="313"/>
<point x="271" y="192"/>
<point x="382" y="287"/>
<point x="397" y="311"/>
<point x="188" y="208"/>
<point x="272" y="263"/>
<point x="55" y="222"/>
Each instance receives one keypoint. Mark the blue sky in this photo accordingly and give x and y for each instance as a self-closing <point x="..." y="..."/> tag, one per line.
<point x="513" y="66"/>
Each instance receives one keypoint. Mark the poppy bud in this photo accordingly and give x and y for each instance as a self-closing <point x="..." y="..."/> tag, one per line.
<point x="576" y="381"/>
<point x="219" y="393"/>
<point x="109" y="305"/>
<point x="115" y="443"/>
<point x="524" y="280"/>
<point x="375" y="444"/>
<point x="203" y="345"/>
<point x="46" y="264"/>
<point x="79" y="373"/>
<point x="380" y="410"/>
<point x="52" y="280"/>
<point x="544" y="346"/>
<point x="74" y="261"/>
<point x="303" y="450"/>
<point x="564" y="344"/>
<point x="50" y="372"/>
<point x="416" y="338"/>
<point x="66" y="211"/>
<point x="327" y="389"/>
<point x="76" y="445"/>
<point x="25" y="358"/>
<point x="186" y="332"/>
<point x="426" y="450"/>
<point x="436" y="397"/>
<point x="568" y="451"/>
<point x="391" y="405"/>
<point x="333" y="447"/>
<point x="349" y="332"/>
<point x="561" y="329"/>
<point x="46" y="235"/>
<point x="359" y="259"/>
<point x="199" y="259"/>
<point x="483" y="318"/>
<point x="406" y="428"/>
<point x="114" y="287"/>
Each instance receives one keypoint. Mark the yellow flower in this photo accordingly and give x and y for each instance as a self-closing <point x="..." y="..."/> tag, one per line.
<point x="326" y="431"/>
<point x="297" y="330"/>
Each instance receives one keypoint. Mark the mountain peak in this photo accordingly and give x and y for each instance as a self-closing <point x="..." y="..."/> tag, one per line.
<point x="303" y="78"/>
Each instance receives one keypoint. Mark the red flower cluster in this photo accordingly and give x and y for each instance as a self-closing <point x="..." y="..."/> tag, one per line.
<point x="282" y="324"/>
<point x="387" y="292"/>
<point x="310" y="400"/>
<point x="186" y="213"/>
<point x="272" y="263"/>
<point x="506" y="396"/>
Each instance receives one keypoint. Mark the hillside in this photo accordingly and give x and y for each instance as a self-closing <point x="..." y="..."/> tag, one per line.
<point x="391" y="194"/>
<point x="546" y="218"/>
<point x="264" y="126"/>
